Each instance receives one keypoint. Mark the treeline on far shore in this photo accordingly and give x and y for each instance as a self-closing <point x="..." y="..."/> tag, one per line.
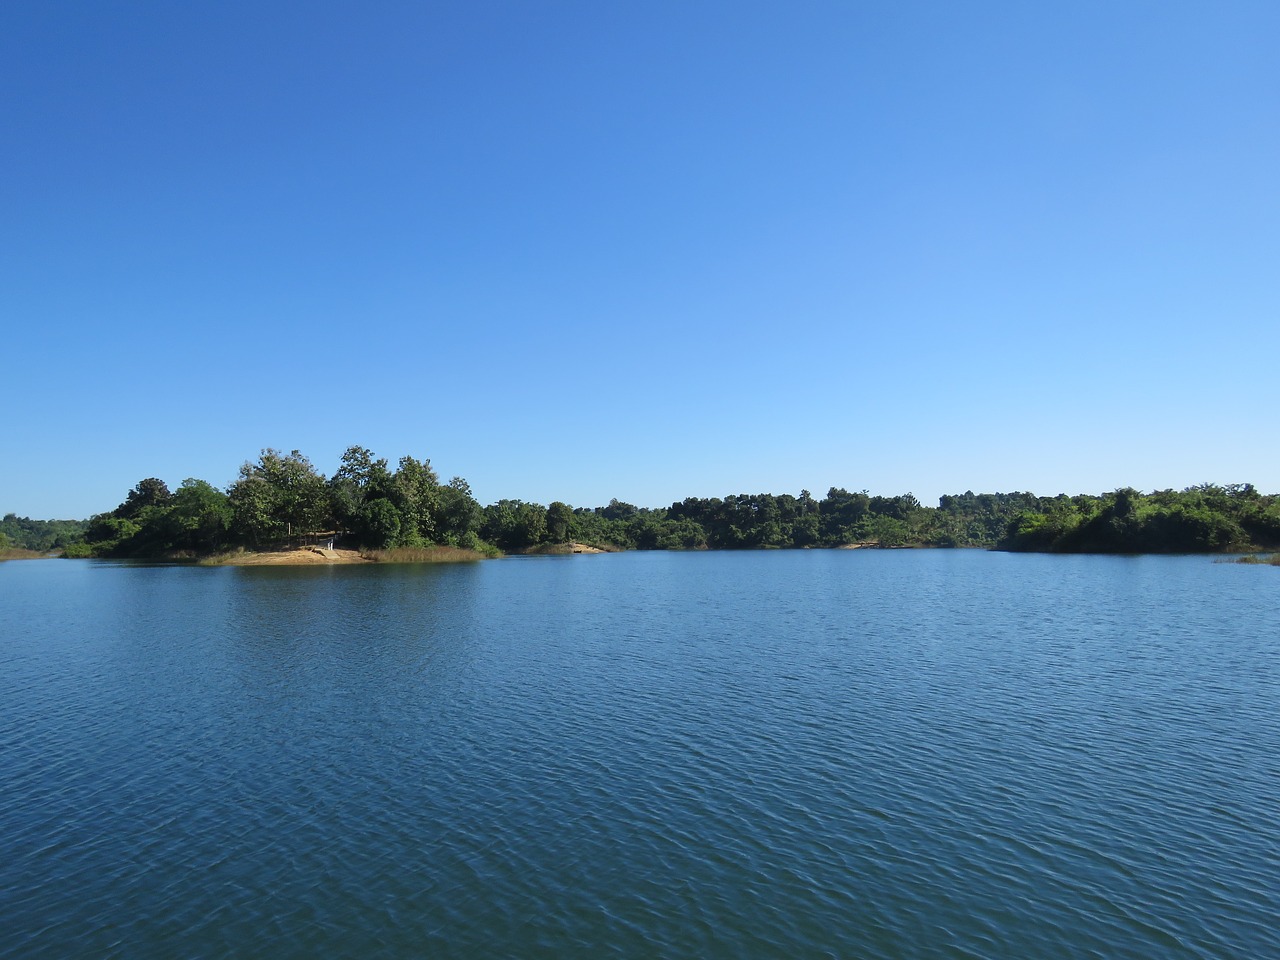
<point x="282" y="500"/>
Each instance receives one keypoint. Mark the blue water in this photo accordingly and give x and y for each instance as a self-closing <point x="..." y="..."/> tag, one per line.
<point x="784" y="754"/>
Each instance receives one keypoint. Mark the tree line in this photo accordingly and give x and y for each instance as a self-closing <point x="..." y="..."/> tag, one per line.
<point x="283" y="499"/>
<point x="1202" y="519"/>
<point x="41" y="536"/>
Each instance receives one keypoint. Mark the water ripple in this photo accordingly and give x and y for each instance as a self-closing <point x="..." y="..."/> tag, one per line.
<point x="812" y="754"/>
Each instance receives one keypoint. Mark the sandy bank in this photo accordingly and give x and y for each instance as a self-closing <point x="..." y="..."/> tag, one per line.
<point x="302" y="557"/>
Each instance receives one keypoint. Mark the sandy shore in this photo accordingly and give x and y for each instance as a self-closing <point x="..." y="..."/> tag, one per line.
<point x="309" y="556"/>
<point x="306" y="556"/>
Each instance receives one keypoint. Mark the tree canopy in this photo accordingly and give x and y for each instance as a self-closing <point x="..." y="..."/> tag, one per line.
<point x="282" y="499"/>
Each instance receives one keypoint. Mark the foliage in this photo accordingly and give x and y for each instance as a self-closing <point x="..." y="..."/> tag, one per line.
<point x="513" y="525"/>
<point x="380" y="523"/>
<point x="283" y="500"/>
<point x="150" y="492"/>
<point x="40" y="535"/>
<point x="280" y="495"/>
<point x="198" y="518"/>
<point x="1201" y="519"/>
<point x="459" y="516"/>
<point x="559" y="522"/>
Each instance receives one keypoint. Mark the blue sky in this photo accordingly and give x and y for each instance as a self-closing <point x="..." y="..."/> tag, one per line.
<point x="579" y="251"/>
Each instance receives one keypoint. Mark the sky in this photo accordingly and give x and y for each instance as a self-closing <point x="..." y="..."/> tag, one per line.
<point x="577" y="251"/>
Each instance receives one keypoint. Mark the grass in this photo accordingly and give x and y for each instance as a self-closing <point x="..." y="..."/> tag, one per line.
<point x="548" y="550"/>
<point x="436" y="554"/>
<point x="218" y="559"/>
<point x="1272" y="559"/>
<point x="566" y="549"/>
<point x="20" y="553"/>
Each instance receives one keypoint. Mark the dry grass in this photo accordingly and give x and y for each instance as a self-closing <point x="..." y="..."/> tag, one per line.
<point x="565" y="549"/>
<point x="1273" y="559"/>
<point x="438" y="554"/>
<point x="218" y="559"/>
<point x="20" y="553"/>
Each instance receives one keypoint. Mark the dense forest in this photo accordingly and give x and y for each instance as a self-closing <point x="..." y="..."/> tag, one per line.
<point x="282" y="500"/>
<point x="41" y="536"/>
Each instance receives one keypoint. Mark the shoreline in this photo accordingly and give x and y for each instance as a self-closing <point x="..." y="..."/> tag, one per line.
<point x="321" y="556"/>
<point x="302" y="556"/>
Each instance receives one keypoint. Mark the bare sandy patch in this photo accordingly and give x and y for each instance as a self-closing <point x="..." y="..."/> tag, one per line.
<point x="306" y="556"/>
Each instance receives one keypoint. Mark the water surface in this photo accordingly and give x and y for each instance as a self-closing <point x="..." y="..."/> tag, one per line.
<point x="797" y="754"/>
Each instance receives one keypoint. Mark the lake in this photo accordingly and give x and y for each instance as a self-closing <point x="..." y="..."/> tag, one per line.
<point x="862" y="754"/>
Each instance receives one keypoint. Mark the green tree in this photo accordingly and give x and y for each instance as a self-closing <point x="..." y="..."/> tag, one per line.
<point x="559" y="521"/>
<point x="111" y="536"/>
<point x="279" y="495"/>
<point x="198" y="518"/>
<point x="380" y="523"/>
<point x="349" y="486"/>
<point x="459" y="516"/>
<point x="513" y="524"/>
<point x="416" y="494"/>
<point x="254" y="518"/>
<point x="150" y="492"/>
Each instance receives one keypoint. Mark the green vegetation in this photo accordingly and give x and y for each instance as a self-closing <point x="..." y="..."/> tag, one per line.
<point x="406" y="514"/>
<point x="282" y="502"/>
<point x="39" y="536"/>
<point x="1202" y="519"/>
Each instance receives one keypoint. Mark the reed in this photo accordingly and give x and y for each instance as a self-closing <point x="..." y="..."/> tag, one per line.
<point x="20" y="553"/>
<point x="1272" y="559"/>
<point x="434" y="554"/>
<point x="219" y="559"/>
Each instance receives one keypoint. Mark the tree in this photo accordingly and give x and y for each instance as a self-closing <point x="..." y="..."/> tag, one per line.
<point x="618" y="510"/>
<point x="150" y="492"/>
<point x="358" y="480"/>
<point x="459" y="513"/>
<point x="513" y="524"/>
<point x="279" y="495"/>
<point x="380" y="522"/>
<point x="804" y="532"/>
<point x="109" y="535"/>
<point x="253" y="513"/>
<point x="841" y="515"/>
<point x="415" y="490"/>
<point x="199" y="517"/>
<point x="559" y="520"/>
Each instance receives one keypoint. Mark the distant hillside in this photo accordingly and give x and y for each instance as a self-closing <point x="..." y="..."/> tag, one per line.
<point x="40" y="535"/>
